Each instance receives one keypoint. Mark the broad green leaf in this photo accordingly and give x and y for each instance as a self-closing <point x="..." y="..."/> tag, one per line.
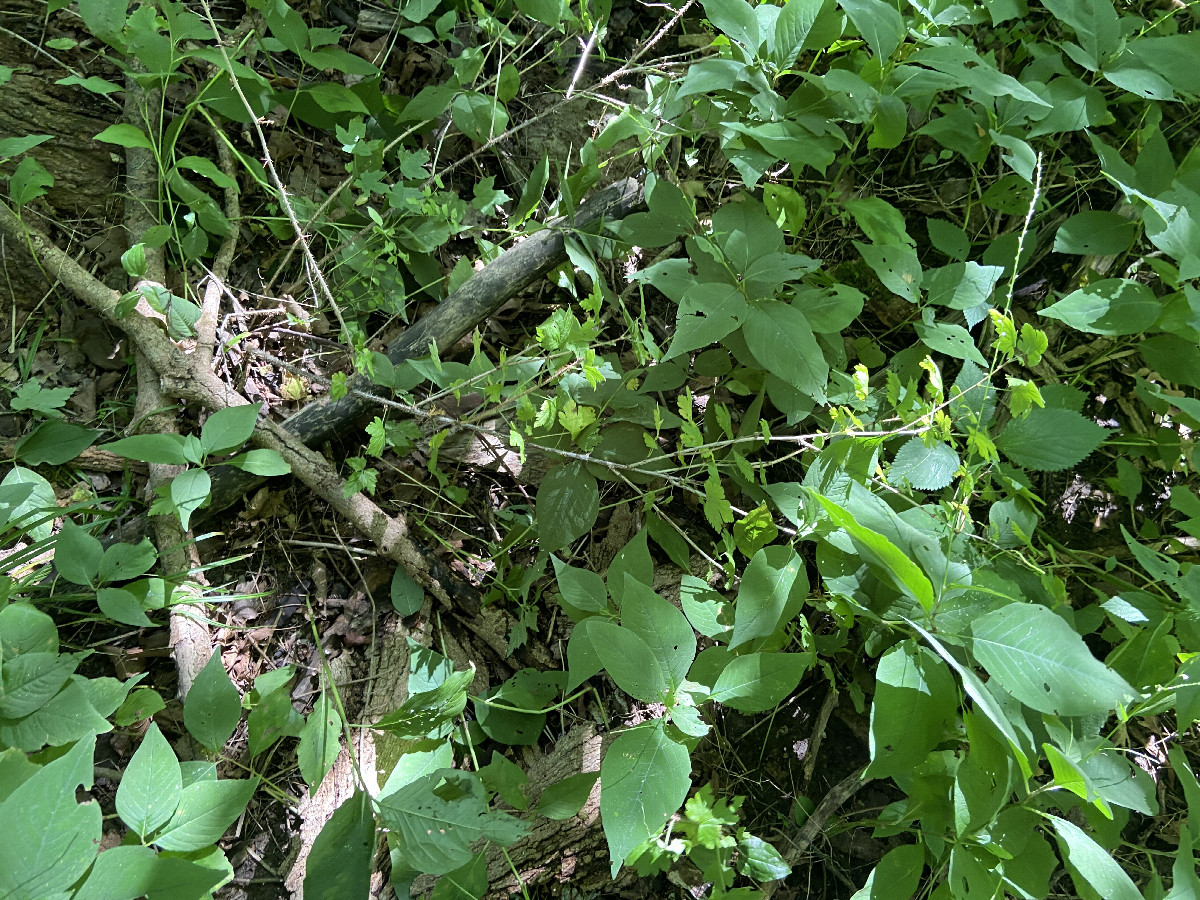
<point x="77" y="555"/>
<point x="1049" y="440"/>
<point x="915" y="700"/>
<point x="707" y="610"/>
<point x="904" y="574"/>
<point x="984" y="701"/>
<point x="125" y="135"/>
<point x="772" y="584"/>
<point x="565" y="798"/>
<point x="467" y="882"/>
<point x="1095" y="233"/>
<point x="229" y="428"/>
<point x="792" y="29"/>
<point x="952" y="340"/>
<point x="265" y="462"/>
<point x="925" y="468"/>
<point x="189" y="491"/>
<point x="136" y="871"/>
<point x="407" y="596"/>
<point x="320" y="742"/>
<point x="961" y="285"/>
<point x="26" y="498"/>
<point x="56" y="838"/>
<point x="451" y="804"/>
<point x="213" y="706"/>
<point x="881" y="222"/>
<point x="333" y="97"/>
<point x="780" y="338"/>
<point x="949" y="239"/>
<point x="632" y="560"/>
<point x="757" y="682"/>
<point x="629" y="661"/>
<point x="124" y="562"/>
<point x="478" y="116"/>
<point x="425" y="711"/>
<point x="28" y="182"/>
<point x="829" y="311"/>
<point x="1111" y="307"/>
<point x="709" y="312"/>
<point x="897" y="267"/>
<point x="1091" y="863"/>
<point x="1040" y="660"/>
<point x="15" y="146"/>
<point x="896" y="876"/>
<point x="163" y="449"/>
<point x="644" y="779"/>
<point x="31" y="680"/>
<point x="1096" y="25"/>
<point x="581" y="592"/>
<point x="662" y="626"/>
<point x="339" y="864"/>
<point x="206" y="167"/>
<point x="735" y="18"/>
<point x="878" y="22"/>
<point x="568" y="502"/>
<point x="516" y="716"/>
<point x="507" y="780"/>
<point x="151" y="785"/>
<point x="1173" y="357"/>
<point x="205" y="810"/>
<point x="54" y="443"/>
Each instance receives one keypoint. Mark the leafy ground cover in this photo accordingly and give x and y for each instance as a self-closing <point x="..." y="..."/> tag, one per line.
<point x="717" y="449"/>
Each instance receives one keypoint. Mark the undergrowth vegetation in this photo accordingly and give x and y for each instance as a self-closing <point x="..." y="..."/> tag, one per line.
<point x="906" y="275"/>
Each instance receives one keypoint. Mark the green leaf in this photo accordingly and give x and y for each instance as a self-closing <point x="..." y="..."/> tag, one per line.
<point x="735" y="18"/>
<point x="773" y="583"/>
<point x="1090" y="863"/>
<point x="15" y="146"/>
<point x="709" y="311"/>
<point x="125" y="135"/>
<point x="581" y="592"/>
<point x="57" y="838"/>
<point x="792" y="29"/>
<point x="123" y="562"/>
<point x="54" y="443"/>
<point x="548" y="12"/>
<point x="759" y="860"/>
<point x="213" y="706"/>
<point x="1040" y="660"/>
<point x="565" y="798"/>
<point x="425" y="711"/>
<point x="915" y="700"/>
<point x="189" y="491"/>
<point x="28" y="182"/>
<point x="897" y="267"/>
<point x="1095" y="233"/>
<point x="633" y="560"/>
<point x="161" y="449"/>
<point x="949" y="239"/>
<point x="47" y="401"/>
<point x="925" y="468"/>
<point x="757" y="682"/>
<point x="339" y="864"/>
<point x="229" y="428"/>
<point x="452" y="805"/>
<point x="122" y="606"/>
<point x="1049" y="440"/>
<point x="568" y="502"/>
<point x="961" y="285"/>
<point x="478" y="116"/>
<point x="881" y="222"/>
<point x="896" y="876"/>
<point x="467" y="882"/>
<point x="334" y="98"/>
<point x="1111" y="307"/>
<point x="1174" y="358"/>
<point x="1096" y="25"/>
<point x="265" y="462"/>
<point x="31" y="680"/>
<point x="25" y="497"/>
<point x="407" y="596"/>
<point x="151" y="785"/>
<point x="661" y="625"/>
<point x="138" y="706"/>
<point x="878" y="22"/>
<point x="780" y="338"/>
<point x="205" y="810"/>
<point x="134" y="871"/>
<point x="884" y="556"/>
<point x="77" y="555"/>
<point x="629" y="661"/>
<point x="952" y="340"/>
<point x="531" y="193"/>
<point x="320" y="742"/>
<point x="644" y="779"/>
